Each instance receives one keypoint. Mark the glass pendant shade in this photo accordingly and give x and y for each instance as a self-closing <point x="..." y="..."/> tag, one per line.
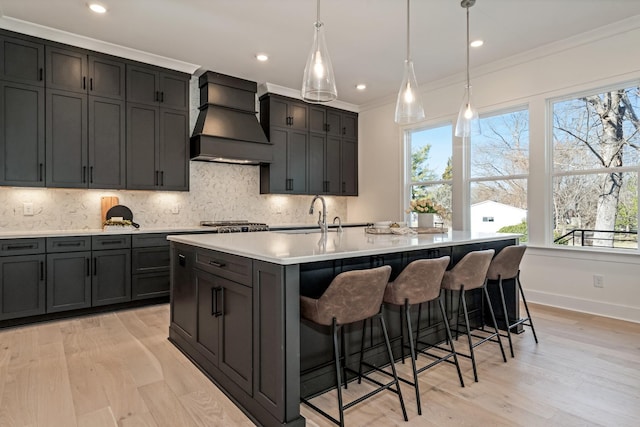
<point x="409" y="104"/>
<point x="468" y="123"/>
<point x="319" y="83"/>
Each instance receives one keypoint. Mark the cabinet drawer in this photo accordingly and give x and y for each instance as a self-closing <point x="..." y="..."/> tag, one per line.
<point x="148" y="240"/>
<point x="229" y="266"/>
<point x="68" y="244"/>
<point x="117" y="241"/>
<point x="21" y="246"/>
<point x="150" y="285"/>
<point x="148" y="260"/>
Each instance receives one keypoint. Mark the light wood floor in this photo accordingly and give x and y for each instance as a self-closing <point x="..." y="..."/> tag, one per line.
<point x="119" y="369"/>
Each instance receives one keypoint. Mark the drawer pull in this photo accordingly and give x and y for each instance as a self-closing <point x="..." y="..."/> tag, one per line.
<point x="24" y="246"/>
<point x="63" y="244"/>
<point x="217" y="264"/>
<point x="111" y="242"/>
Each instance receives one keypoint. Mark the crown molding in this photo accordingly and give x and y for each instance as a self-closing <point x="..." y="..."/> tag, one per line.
<point x="295" y="93"/>
<point x="65" y="37"/>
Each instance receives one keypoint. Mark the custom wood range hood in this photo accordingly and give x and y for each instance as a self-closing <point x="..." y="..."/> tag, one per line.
<point x="227" y="129"/>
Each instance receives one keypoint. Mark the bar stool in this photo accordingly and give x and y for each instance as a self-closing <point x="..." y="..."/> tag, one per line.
<point x="352" y="296"/>
<point x="471" y="273"/>
<point x="419" y="282"/>
<point x="506" y="266"/>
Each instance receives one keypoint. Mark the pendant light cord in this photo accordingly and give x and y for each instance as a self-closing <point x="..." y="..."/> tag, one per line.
<point x="408" y="30"/>
<point x="468" y="79"/>
<point x="318" y="12"/>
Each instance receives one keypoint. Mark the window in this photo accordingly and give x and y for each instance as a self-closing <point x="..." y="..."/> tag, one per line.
<point x="499" y="168"/>
<point x="596" y="154"/>
<point x="430" y="173"/>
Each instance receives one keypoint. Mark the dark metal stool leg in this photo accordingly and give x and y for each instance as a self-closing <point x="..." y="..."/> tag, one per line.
<point x="336" y="356"/>
<point x="495" y="324"/>
<point x="506" y="315"/>
<point x="393" y="366"/>
<point x="344" y="357"/>
<point x="413" y="356"/>
<point x="418" y="325"/>
<point x="402" y="315"/>
<point x="449" y="339"/>
<point x="466" y="321"/>
<point x="364" y="329"/>
<point x="460" y="297"/>
<point x="526" y="307"/>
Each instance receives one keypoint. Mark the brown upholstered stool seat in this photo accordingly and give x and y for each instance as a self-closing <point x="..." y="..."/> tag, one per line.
<point x="506" y="266"/>
<point x="418" y="283"/>
<point x="352" y="296"/>
<point x="471" y="273"/>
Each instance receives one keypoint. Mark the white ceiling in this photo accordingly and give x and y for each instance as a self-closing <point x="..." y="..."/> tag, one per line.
<point x="366" y="38"/>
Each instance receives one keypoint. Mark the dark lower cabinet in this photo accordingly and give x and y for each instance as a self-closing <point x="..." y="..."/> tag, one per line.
<point x="111" y="280"/>
<point x="68" y="281"/>
<point x="183" y="293"/>
<point x="225" y="326"/>
<point x="22" y="286"/>
<point x="150" y="270"/>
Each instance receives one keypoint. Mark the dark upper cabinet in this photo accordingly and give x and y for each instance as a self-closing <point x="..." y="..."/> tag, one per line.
<point x="149" y="85"/>
<point x="22" y="135"/>
<point x="106" y="77"/>
<point x="142" y="136"/>
<point x="324" y="164"/>
<point x="107" y="144"/>
<point x="284" y="112"/>
<point x="317" y="119"/>
<point x="22" y="286"/>
<point x="21" y="61"/>
<point x="350" y="125"/>
<point x="66" y="133"/>
<point x="334" y="122"/>
<point x="157" y="149"/>
<point x="332" y="165"/>
<point x="288" y="172"/>
<point x="66" y="69"/>
<point x="74" y="70"/>
<point x="349" y="167"/>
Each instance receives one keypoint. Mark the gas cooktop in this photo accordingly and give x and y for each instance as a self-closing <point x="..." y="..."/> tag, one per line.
<point x="234" y="226"/>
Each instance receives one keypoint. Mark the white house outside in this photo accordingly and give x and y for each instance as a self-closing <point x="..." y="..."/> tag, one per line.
<point x="490" y="216"/>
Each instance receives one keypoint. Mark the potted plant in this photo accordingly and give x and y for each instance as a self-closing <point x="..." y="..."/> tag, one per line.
<point x="426" y="210"/>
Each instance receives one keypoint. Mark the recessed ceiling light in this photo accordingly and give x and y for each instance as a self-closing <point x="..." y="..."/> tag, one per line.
<point x="97" y="8"/>
<point x="361" y="86"/>
<point x="476" y="43"/>
<point x="262" y="57"/>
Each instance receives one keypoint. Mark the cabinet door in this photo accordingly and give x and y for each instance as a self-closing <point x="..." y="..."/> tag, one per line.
<point x="184" y="303"/>
<point x="350" y="125"/>
<point x="106" y="77"/>
<point x="68" y="281"/>
<point x="273" y="177"/>
<point x="174" y="91"/>
<point x="174" y="150"/>
<point x="317" y="182"/>
<point x="143" y="85"/>
<point x="299" y="114"/>
<point x="334" y="122"/>
<point x="349" y="167"/>
<point x="22" y="286"/>
<point x="66" y="69"/>
<point x="317" y="119"/>
<point x="332" y="165"/>
<point x="21" y="135"/>
<point x="107" y="155"/>
<point x="149" y="285"/>
<point x="209" y="312"/>
<point x="297" y="161"/>
<point x="21" y="61"/>
<point x="278" y="111"/>
<point x="236" y="333"/>
<point x="142" y="156"/>
<point x="111" y="281"/>
<point x="66" y="132"/>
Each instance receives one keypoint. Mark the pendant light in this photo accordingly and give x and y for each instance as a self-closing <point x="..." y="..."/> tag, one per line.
<point x="409" y="104"/>
<point x="468" y="123"/>
<point x="318" y="82"/>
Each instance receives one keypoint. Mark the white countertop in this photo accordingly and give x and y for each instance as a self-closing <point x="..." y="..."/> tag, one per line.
<point x="286" y="249"/>
<point x="22" y="234"/>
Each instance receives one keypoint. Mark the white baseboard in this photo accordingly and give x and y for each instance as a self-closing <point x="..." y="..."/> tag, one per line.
<point x="615" y="311"/>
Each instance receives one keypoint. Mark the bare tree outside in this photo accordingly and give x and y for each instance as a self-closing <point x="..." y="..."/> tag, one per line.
<point x="596" y="150"/>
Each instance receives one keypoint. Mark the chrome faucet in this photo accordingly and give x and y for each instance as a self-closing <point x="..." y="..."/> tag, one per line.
<point x="339" y="223"/>
<point x="322" y="220"/>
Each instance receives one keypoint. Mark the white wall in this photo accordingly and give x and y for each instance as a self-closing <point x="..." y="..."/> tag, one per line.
<point x="560" y="277"/>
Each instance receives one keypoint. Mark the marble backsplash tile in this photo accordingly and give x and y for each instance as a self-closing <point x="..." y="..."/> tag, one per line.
<point x="217" y="192"/>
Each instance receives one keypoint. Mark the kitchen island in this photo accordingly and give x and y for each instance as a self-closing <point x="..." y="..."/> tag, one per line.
<point x="235" y="305"/>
